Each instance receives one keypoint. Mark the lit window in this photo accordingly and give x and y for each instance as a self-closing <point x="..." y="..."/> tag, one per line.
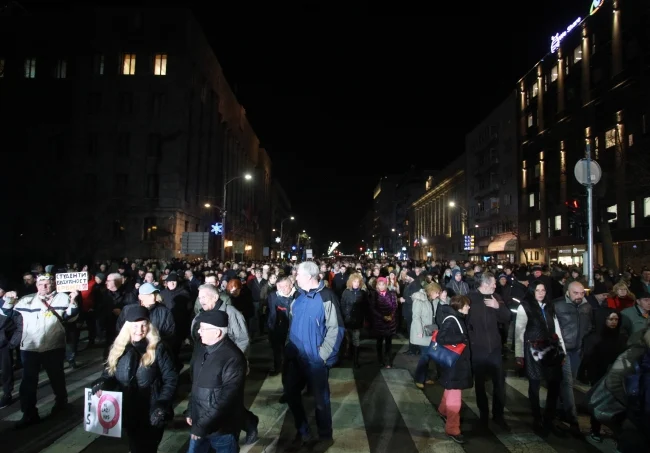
<point x="2" y="67"/>
<point x="61" y="69"/>
<point x="30" y="68"/>
<point x="646" y="207"/>
<point x="630" y="139"/>
<point x="554" y="73"/>
<point x="632" y="215"/>
<point x="531" y="200"/>
<point x="160" y="64"/>
<point x="610" y="138"/>
<point x="128" y="64"/>
<point x="98" y="64"/>
<point x="558" y="222"/>
<point x="538" y="226"/>
<point x="530" y="120"/>
<point x="612" y="210"/>
<point x="577" y="54"/>
<point x="534" y="89"/>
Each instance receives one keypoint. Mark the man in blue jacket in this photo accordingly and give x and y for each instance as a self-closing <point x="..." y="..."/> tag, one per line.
<point x="315" y="337"/>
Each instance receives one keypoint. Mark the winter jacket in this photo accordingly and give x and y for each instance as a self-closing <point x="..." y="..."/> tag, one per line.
<point x="316" y="329"/>
<point x="575" y="321"/>
<point x="237" y="329"/>
<point x="459" y="376"/>
<point x="482" y="323"/>
<point x="160" y="317"/>
<point x="353" y="307"/>
<point x="278" y="311"/>
<point x="423" y="315"/>
<point x="42" y="330"/>
<point x="217" y="401"/>
<point x="381" y="306"/>
<point x="11" y="326"/>
<point x="143" y="388"/>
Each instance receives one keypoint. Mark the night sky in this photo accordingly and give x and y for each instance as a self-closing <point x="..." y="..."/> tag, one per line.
<point x="339" y="103"/>
<point x="343" y="96"/>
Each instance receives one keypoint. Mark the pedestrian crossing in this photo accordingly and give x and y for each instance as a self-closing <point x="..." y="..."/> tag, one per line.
<point x="373" y="410"/>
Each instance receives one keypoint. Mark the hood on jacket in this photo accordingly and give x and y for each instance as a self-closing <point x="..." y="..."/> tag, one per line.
<point x="600" y="321"/>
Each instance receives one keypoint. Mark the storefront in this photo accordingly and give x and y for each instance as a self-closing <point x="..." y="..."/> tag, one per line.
<point x="503" y="247"/>
<point x="570" y="255"/>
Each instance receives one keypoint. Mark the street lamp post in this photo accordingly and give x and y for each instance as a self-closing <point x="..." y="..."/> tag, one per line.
<point x="248" y="177"/>
<point x="281" y="229"/>
<point x="464" y="219"/>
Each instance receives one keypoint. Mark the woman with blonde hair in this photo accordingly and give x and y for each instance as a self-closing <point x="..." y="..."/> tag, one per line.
<point x="621" y="297"/>
<point x="140" y="366"/>
<point x="354" y="306"/>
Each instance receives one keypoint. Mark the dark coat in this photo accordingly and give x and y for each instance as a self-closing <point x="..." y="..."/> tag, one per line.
<point x="483" y="324"/>
<point x="353" y="308"/>
<point x="143" y="388"/>
<point x="381" y="306"/>
<point x="217" y="402"/>
<point x="459" y="376"/>
<point x="540" y="329"/>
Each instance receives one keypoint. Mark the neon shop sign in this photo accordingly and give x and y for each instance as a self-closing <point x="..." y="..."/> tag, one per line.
<point x="557" y="39"/>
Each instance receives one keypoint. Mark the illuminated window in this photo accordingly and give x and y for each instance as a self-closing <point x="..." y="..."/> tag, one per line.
<point x="613" y="209"/>
<point x="61" y="69"/>
<point x="160" y="64"/>
<point x="530" y="120"/>
<point x="630" y="140"/>
<point x="2" y="67"/>
<point x="531" y="200"/>
<point x="128" y="64"/>
<point x="646" y="207"/>
<point x="632" y="215"/>
<point x="535" y="89"/>
<point x="577" y="54"/>
<point x="30" y="68"/>
<point x="98" y="64"/>
<point x="554" y="73"/>
<point x="538" y="226"/>
<point x="558" y="222"/>
<point x="610" y="138"/>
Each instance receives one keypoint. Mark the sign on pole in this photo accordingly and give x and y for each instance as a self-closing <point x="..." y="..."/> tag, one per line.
<point x="103" y="415"/>
<point x="195" y="243"/>
<point x="71" y="281"/>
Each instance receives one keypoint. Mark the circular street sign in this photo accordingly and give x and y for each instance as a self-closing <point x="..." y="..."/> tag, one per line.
<point x="580" y="172"/>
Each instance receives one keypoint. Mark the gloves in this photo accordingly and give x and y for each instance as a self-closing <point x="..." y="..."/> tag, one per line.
<point x="97" y="386"/>
<point x="519" y="362"/>
<point x="158" y="415"/>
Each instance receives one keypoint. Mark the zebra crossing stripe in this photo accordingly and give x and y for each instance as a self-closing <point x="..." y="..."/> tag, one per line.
<point x="419" y="415"/>
<point x="513" y="441"/>
<point x="521" y="386"/>
<point x="347" y="416"/>
<point x="271" y="413"/>
<point x="77" y="439"/>
<point x="44" y="405"/>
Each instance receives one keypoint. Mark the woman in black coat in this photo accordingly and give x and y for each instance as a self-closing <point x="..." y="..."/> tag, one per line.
<point x="354" y="302"/>
<point x="453" y="331"/>
<point x="140" y="366"/>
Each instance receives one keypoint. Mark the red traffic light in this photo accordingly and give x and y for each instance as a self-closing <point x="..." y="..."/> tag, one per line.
<point x="572" y="205"/>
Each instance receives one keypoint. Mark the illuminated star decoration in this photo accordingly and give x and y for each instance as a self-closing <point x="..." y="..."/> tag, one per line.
<point x="217" y="228"/>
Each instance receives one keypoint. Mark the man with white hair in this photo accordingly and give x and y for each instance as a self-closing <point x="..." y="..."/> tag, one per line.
<point x="43" y="344"/>
<point x="315" y="337"/>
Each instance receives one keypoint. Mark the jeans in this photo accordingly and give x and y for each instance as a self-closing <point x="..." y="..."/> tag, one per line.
<point x="225" y="443"/>
<point x="316" y="377"/>
<point x="449" y="407"/>
<point x="422" y="367"/>
<point x="71" y="341"/>
<point x="553" y="390"/>
<point x="576" y="360"/>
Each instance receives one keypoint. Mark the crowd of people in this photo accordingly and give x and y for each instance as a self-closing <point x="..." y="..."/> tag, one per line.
<point x="142" y="313"/>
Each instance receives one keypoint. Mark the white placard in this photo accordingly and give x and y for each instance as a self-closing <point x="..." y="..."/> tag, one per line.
<point x="103" y="415"/>
<point x="71" y="281"/>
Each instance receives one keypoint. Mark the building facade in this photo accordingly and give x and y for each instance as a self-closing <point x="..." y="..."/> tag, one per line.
<point x="132" y="133"/>
<point x="437" y="219"/>
<point x="491" y="150"/>
<point x="591" y="92"/>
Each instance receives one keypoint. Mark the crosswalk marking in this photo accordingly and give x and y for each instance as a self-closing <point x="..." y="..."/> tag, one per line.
<point x="420" y="417"/>
<point x="45" y="404"/>
<point x="347" y="417"/>
<point x="513" y="441"/>
<point x="271" y="414"/>
<point x="521" y="386"/>
<point x="77" y="439"/>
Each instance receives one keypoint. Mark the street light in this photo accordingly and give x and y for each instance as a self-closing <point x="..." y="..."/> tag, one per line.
<point x="282" y="226"/>
<point x="247" y="177"/>
<point x="464" y="217"/>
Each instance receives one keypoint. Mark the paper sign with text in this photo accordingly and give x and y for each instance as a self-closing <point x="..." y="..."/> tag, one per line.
<point x="103" y="415"/>
<point x="71" y="281"/>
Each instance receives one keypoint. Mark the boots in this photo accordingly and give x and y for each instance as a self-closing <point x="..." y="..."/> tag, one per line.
<point x="355" y="356"/>
<point x="380" y="355"/>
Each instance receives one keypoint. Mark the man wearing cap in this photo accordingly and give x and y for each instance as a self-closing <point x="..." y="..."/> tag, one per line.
<point x="635" y="319"/>
<point x="215" y="411"/>
<point x="43" y="344"/>
<point x="159" y="315"/>
<point x="11" y="331"/>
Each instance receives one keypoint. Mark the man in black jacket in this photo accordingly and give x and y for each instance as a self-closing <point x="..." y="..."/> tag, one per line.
<point x="11" y="331"/>
<point x="485" y="341"/>
<point x="216" y="408"/>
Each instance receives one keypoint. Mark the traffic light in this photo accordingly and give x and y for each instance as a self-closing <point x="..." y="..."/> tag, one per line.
<point x="575" y="218"/>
